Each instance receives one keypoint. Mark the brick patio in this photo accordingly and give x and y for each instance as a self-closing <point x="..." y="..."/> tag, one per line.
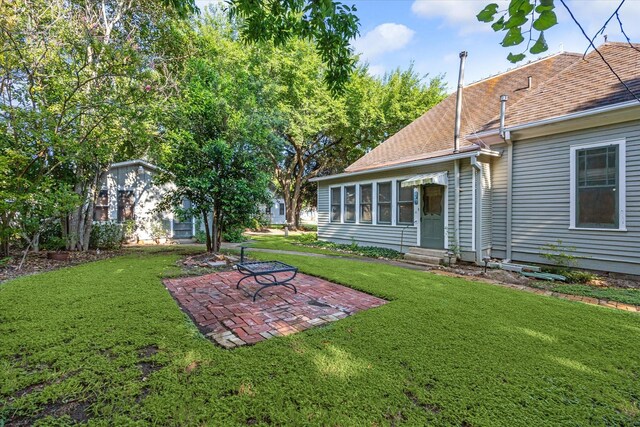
<point x="229" y="317"/>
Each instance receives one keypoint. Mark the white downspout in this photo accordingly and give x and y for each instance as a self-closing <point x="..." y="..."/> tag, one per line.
<point x="456" y="200"/>
<point x="506" y="135"/>
<point x="477" y="204"/>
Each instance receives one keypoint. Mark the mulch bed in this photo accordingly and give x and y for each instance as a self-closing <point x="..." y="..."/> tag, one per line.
<point x="39" y="263"/>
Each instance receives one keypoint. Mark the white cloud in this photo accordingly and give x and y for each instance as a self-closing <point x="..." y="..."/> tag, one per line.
<point x="388" y="37"/>
<point x="598" y="11"/>
<point x="456" y="13"/>
<point x="377" y="70"/>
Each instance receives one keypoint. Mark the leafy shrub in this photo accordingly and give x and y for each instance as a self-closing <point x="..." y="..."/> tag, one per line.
<point x="201" y="236"/>
<point x="573" y="276"/>
<point x="233" y="235"/>
<point x="578" y="276"/>
<point x="51" y="237"/>
<point x="307" y="238"/>
<point x="106" y="235"/>
<point x="353" y="248"/>
<point x="128" y="229"/>
<point x="559" y="254"/>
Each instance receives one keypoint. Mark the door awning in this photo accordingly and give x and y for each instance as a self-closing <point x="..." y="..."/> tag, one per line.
<point x="439" y="178"/>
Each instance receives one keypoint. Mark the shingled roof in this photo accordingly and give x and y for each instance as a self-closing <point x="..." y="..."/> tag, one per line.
<point x="561" y="84"/>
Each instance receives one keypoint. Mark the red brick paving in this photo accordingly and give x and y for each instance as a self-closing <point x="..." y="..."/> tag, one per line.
<point x="229" y="317"/>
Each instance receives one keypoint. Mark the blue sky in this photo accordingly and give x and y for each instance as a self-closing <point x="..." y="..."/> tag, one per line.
<point x="431" y="33"/>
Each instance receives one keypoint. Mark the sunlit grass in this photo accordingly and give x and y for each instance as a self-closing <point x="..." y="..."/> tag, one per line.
<point x="443" y="351"/>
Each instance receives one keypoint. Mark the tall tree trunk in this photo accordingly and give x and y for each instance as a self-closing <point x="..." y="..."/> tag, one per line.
<point x="207" y="230"/>
<point x="215" y="235"/>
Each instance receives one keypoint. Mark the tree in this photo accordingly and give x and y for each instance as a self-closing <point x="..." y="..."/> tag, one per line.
<point x="318" y="131"/>
<point x="78" y="80"/>
<point x="532" y="18"/>
<point x="214" y="157"/>
<point x="329" y="24"/>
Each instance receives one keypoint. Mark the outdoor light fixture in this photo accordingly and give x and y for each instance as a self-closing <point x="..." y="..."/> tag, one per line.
<point x="486" y="262"/>
<point x="450" y="254"/>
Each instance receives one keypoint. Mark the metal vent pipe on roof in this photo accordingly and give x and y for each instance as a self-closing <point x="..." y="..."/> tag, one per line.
<point x="503" y="112"/>
<point x="456" y="131"/>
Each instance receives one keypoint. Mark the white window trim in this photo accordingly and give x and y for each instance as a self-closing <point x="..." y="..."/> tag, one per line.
<point x="375" y="202"/>
<point x="622" y="184"/>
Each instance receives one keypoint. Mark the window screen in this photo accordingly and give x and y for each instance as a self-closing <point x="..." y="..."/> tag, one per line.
<point x="597" y="187"/>
<point x="384" y="203"/>
<point x="350" y="203"/>
<point x="101" y="208"/>
<point x="335" y="204"/>
<point x="405" y="204"/>
<point x="126" y="203"/>
<point x="366" y="199"/>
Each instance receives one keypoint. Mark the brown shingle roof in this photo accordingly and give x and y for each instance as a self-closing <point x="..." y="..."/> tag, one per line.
<point x="562" y="84"/>
<point x="586" y="84"/>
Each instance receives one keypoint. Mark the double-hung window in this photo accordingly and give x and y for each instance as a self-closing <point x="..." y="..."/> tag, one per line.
<point x="101" y="208"/>
<point x="350" y="203"/>
<point x="384" y="203"/>
<point x="597" y="185"/>
<point x="405" y="204"/>
<point x="366" y="200"/>
<point x="126" y="203"/>
<point x="336" y="206"/>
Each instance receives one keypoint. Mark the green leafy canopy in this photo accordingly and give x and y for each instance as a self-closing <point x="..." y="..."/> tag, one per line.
<point x="523" y="21"/>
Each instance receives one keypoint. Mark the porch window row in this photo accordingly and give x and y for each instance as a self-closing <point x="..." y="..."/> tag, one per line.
<point x="346" y="201"/>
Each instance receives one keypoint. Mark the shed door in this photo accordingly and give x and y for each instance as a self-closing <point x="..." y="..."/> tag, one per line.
<point x="432" y="217"/>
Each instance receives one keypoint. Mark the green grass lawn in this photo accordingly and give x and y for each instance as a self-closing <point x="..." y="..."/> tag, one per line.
<point x="282" y="243"/>
<point x="106" y="340"/>
<point x="627" y="296"/>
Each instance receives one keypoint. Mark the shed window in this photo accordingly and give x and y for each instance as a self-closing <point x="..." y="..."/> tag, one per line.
<point x="384" y="203"/>
<point x="101" y="208"/>
<point x="335" y="204"/>
<point x="267" y="210"/>
<point x="281" y="209"/>
<point x="366" y="198"/>
<point x="405" y="204"/>
<point x="126" y="203"/>
<point x="350" y="203"/>
<point x="597" y="187"/>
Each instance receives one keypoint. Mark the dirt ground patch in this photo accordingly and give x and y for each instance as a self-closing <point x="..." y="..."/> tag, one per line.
<point x="39" y="263"/>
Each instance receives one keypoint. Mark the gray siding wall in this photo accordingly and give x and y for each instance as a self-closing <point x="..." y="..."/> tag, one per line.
<point x="390" y="236"/>
<point x="466" y="207"/>
<point x="541" y="204"/>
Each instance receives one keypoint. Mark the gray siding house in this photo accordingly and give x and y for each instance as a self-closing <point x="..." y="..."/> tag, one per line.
<point x="564" y="165"/>
<point x="127" y="193"/>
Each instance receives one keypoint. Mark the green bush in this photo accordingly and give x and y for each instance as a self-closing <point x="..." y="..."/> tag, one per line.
<point x="573" y="276"/>
<point x="233" y="235"/>
<point x="51" y="237"/>
<point x="201" y="236"/>
<point x="307" y="238"/>
<point x="353" y="248"/>
<point x="106" y="235"/>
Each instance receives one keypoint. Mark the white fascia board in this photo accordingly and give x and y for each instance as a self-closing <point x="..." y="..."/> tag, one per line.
<point x="492" y="136"/>
<point x="137" y="162"/>
<point x="467" y="154"/>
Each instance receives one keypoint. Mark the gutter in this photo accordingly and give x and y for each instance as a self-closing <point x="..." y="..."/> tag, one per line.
<point x="553" y="120"/>
<point x="580" y="114"/>
<point x="425" y="162"/>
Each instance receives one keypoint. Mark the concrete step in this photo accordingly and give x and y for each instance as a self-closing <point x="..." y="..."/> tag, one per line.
<point x="436" y="253"/>
<point x="423" y="259"/>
